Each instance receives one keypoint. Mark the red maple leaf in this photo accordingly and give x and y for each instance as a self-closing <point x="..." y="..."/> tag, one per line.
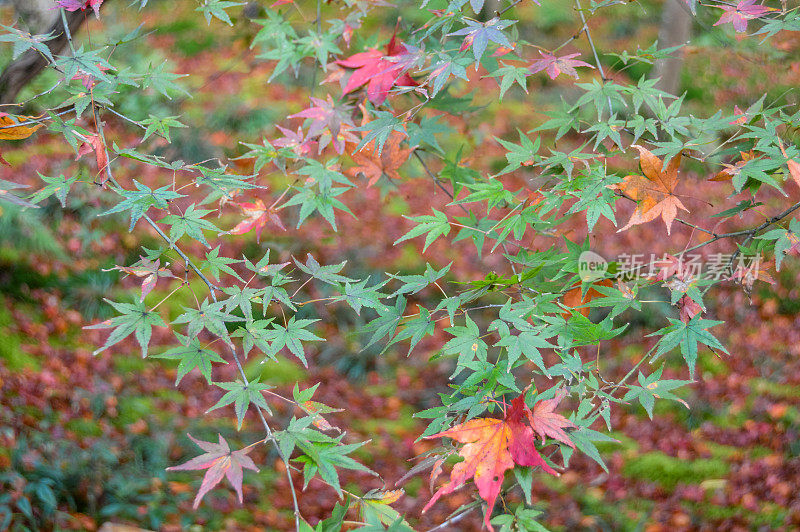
<point x="546" y="422"/>
<point x="93" y="143"/>
<point x="75" y="5"/>
<point x="688" y="309"/>
<point x="256" y="217"/>
<point x="739" y="15"/>
<point x="557" y="65"/>
<point x="492" y="447"/>
<point x="220" y="462"/>
<point x="378" y="71"/>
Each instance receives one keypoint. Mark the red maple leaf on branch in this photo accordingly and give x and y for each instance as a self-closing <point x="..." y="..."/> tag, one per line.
<point x="220" y="462"/>
<point x="557" y="65"/>
<point x="74" y="5"/>
<point x="378" y="71"/>
<point x="493" y="446"/>
<point x="256" y="217"/>
<point x="93" y="143"/>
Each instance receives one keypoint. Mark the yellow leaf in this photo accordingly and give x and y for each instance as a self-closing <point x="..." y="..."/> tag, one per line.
<point x="9" y="130"/>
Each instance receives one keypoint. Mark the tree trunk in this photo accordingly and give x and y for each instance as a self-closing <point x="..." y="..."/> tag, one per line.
<point x="676" y="27"/>
<point x="23" y="69"/>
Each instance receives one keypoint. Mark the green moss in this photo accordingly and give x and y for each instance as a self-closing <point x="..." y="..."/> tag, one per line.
<point x="413" y="486"/>
<point x="381" y="390"/>
<point x="172" y="396"/>
<point x="759" y="387"/>
<point x="282" y="371"/>
<point x="669" y="472"/>
<point x="15" y="358"/>
<point x="724" y="452"/>
<point x="132" y="409"/>
<point x="397" y="206"/>
<point x="711" y="365"/>
<point x="404" y="424"/>
<point x="84" y="427"/>
<point x="129" y="364"/>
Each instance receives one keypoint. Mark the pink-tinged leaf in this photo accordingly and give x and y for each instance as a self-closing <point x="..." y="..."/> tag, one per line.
<point x="741" y="116"/>
<point x="794" y="171"/>
<point x="220" y="462"/>
<point x="257" y="215"/>
<point x="148" y="270"/>
<point x="75" y="5"/>
<point x="93" y="143"/>
<point x="278" y="3"/>
<point x="739" y="15"/>
<point x="502" y="50"/>
<point x="558" y="65"/>
<point x="329" y="122"/>
<point x="546" y="422"/>
<point x="296" y="141"/>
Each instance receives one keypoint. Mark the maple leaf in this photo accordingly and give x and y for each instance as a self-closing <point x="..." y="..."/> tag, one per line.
<point x="378" y="71"/>
<point x="546" y="422"/>
<point x="256" y="217"/>
<point x="557" y="65"/>
<point x="374" y="161"/>
<point x="794" y="170"/>
<point x="220" y="462"/>
<point x="688" y="308"/>
<point x="75" y="5"/>
<point x="654" y="191"/>
<point x="739" y="14"/>
<point x="149" y="270"/>
<point x="11" y="130"/>
<point x="93" y="143"/>
<point x="329" y="122"/>
<point x="295" y="141"/>
<point x="741" y="116"/>
<point x="477" y="35"/>
<point x="492" y="447"/>
<point x="575" y="298"/>
<point x="756" y="271"/>
<point x="732" y="170"/>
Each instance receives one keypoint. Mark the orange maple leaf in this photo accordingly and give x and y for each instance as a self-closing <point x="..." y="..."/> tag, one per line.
<point x="492" y="447"/>
<point x="575" y="298"/>
<point x="731" y="170"/>
<point x="373" y="163"/>
<point x="654" y="191"/>
<point x="10" y="128"/>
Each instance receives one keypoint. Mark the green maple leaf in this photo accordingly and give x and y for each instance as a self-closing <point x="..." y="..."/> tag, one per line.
<point x="435" y="225"/>
<point x="292" y="337"/>
<point x="56" y="186"/>
<point x="139" y="201"/>
<point x="242" y="395"/>
<point x="189" y="223"/>
<point x="135" y="319"/>
<point x="210" y="317"/>
<point x="191" y="354"/>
